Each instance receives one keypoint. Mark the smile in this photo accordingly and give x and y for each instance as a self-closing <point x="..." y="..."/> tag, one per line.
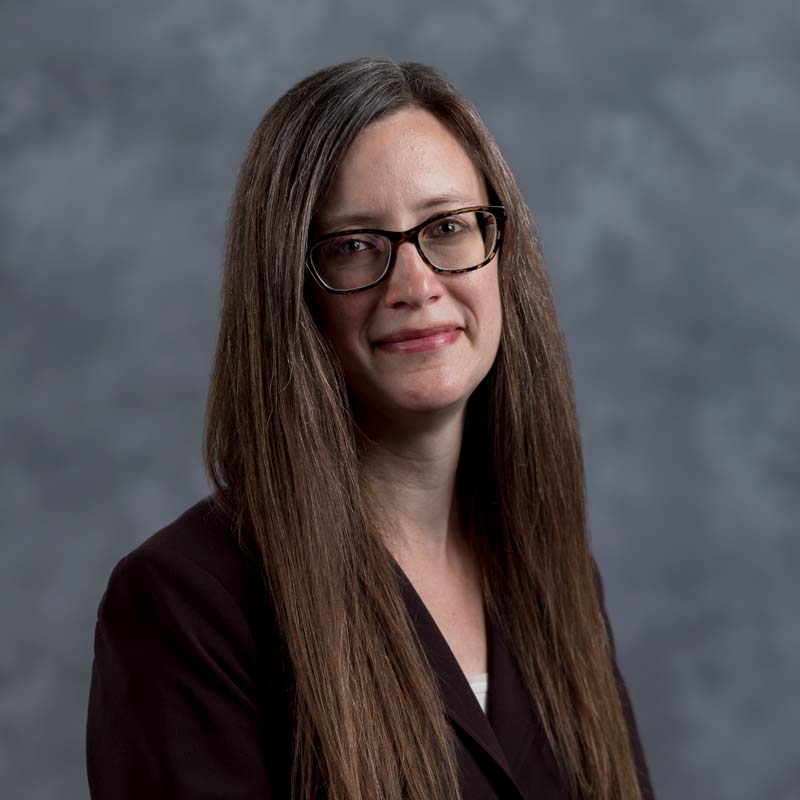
<point x="434" y="341"/>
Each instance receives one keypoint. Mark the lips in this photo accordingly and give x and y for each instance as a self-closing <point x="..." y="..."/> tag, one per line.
<point x="415" y="333"/>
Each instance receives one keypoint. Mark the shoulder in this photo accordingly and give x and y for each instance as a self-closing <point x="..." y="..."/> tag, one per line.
<point x="203" y="535"/>
<point x="188" y="674"/>
<point x="192" y="571"/>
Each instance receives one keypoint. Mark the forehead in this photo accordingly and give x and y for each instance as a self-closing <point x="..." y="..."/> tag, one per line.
<point x="396" y="164"/>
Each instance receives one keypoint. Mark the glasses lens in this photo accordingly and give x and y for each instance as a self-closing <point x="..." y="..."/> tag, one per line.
<point x="459" y="241"/>
<point x="350" y="262"/>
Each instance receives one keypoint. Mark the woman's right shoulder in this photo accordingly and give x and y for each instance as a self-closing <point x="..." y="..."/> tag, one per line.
<point x="188" y="676"/>
<point x="198" y="551"/>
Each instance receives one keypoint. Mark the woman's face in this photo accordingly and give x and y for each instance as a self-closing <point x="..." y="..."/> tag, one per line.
<point x="400" y="170"/>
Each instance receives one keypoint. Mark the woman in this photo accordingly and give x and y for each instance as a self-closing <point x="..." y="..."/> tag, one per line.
<point x="399" y="497"/>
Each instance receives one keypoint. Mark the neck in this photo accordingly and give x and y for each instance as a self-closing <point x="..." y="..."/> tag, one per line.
<point x="410" y="473"/>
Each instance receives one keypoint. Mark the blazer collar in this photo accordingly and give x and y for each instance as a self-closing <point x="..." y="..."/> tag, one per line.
<point x="505" y="732"/>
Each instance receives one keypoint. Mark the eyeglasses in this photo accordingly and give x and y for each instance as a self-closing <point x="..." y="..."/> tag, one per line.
<point x="452" y="241"/>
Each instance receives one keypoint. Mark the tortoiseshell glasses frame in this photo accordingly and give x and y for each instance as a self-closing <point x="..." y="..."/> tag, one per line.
<point x="396" y="238"/>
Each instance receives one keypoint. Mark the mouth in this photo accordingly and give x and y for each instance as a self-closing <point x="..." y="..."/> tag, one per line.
<point x="410" y="334"/>
<point x="417" y="341"/>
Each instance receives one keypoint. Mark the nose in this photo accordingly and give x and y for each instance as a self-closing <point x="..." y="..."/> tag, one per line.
<point x="411" y="281"/>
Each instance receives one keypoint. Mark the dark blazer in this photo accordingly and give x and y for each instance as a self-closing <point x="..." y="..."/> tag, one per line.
<point x="190" y="688"/>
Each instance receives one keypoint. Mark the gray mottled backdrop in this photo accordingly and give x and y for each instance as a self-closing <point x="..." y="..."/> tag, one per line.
<point x="657" y="145"/>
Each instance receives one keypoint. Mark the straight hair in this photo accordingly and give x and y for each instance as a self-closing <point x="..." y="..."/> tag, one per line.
<point x="282" y="451"/>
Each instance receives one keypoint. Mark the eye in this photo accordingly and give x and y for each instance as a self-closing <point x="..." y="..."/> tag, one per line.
<point x="350" y="246"/>
<point x="449" y="227"/>
<point x="349" y="251"/>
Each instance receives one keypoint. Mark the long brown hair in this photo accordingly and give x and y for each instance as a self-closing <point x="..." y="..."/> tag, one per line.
<point x="281" y="451"/>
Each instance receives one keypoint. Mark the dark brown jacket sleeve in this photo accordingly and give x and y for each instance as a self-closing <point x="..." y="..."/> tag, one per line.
<point x="173" y="708"/>
<point x="636" y="745"/>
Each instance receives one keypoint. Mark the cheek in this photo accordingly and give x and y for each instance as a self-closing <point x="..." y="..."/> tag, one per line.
<point x="492" y="332"/>
<point x="490" y="309"/>
<point x="497" y="311"/>
<point x="343" y="319"/>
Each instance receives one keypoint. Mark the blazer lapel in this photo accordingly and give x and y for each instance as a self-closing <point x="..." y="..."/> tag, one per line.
<point x="505" y="732"/>
<point x="517" y="725"/>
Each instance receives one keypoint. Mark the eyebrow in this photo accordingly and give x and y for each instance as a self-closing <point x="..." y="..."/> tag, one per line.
<point x="356" y="219"/>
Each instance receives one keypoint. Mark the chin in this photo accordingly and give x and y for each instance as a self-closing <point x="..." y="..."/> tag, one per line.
<point x="438" y="396"/>
<point x="430" y="391"/>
